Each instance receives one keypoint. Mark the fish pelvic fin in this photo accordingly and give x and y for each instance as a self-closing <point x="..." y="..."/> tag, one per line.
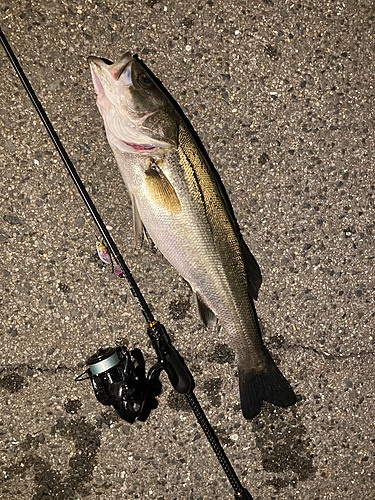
<point x="268" y="385"/>
<point x="137" y="223"/>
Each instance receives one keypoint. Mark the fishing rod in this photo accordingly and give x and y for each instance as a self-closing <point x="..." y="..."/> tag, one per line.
<point x="118" y="375"/>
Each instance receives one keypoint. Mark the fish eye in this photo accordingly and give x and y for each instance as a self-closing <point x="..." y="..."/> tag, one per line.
<point x="145" y="81"/>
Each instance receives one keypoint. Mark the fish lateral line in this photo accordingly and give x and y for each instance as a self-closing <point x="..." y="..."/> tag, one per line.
<point x="188" y="166"/>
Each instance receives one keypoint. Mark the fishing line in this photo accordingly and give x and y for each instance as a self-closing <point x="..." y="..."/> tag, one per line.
<point x="117" y="375"/>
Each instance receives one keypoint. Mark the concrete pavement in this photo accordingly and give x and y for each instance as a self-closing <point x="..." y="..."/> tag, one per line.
<point x="281" y="95"/>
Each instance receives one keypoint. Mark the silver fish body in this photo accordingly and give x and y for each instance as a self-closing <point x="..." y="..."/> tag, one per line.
<point x="178" y="199"/>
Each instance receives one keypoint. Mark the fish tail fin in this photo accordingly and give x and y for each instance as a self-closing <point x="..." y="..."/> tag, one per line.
<point x="268" y="385"/>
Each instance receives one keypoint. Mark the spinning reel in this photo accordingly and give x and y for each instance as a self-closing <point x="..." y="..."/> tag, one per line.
<point x="118" y="378"/>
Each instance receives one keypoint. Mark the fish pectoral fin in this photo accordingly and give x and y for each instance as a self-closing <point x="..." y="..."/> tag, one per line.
<point x="253" y="274"/>
<point x="206" y="315"/>
<point x="138" y="224"/>
<point x="160" y="190"/>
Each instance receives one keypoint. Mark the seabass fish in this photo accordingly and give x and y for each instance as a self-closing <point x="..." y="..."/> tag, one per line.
<point x="179" y="200"/>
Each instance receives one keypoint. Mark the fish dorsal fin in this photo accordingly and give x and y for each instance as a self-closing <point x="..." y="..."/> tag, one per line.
<point x="206" y="315"/>
<point x="160" y="190"/>
<point x="253" y="274"/>
<point x="137" y="223"/>
<point x="207" y="176"/>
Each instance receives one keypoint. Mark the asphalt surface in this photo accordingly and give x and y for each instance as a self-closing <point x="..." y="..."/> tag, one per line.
<point x="281" y="95"/>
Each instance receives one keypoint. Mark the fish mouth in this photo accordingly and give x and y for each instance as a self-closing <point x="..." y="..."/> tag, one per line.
<point x="114" y="70"/>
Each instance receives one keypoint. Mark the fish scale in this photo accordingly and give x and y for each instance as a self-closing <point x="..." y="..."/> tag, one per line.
<point x="179" y="200"/>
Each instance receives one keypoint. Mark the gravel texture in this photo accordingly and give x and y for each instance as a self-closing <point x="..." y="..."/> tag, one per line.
<point x="281" y="95"/>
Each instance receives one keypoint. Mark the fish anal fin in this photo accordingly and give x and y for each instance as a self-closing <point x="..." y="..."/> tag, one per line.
<point x="160" y="190"/>
<point x="253" y="274"/>
<point x="206" y="315"/>
<point x="137" y="223"/>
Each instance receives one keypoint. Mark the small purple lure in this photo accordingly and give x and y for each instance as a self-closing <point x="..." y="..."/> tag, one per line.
<point x="105" y="256"/>
<point x="103" y="253"/>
